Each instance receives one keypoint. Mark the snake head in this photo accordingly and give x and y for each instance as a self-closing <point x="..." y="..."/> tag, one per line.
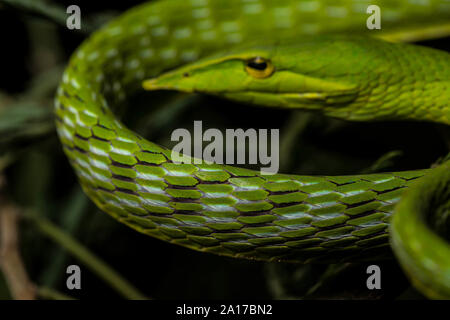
<point x="306" y="75"/>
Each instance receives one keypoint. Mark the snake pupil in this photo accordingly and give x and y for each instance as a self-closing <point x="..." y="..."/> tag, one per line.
<point x="259" y="68"/>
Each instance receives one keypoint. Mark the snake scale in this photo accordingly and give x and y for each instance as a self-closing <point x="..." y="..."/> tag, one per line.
<point x="212" y="46"/>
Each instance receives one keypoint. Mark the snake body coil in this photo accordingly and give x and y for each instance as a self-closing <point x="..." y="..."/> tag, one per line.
<point x="238" y="212"/>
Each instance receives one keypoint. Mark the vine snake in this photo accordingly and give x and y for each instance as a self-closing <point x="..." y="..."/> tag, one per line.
<point x="236" y="49"/>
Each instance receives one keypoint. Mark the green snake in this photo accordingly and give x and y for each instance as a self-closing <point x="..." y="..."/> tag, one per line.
<point x="267" y="53"/>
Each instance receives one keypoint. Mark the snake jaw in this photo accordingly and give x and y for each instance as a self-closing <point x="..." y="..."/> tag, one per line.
<point x="286" y="89"/>
<point x="294" y="100"/>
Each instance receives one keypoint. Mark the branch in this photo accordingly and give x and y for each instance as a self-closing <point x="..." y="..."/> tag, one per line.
<point x="95" y="264"/>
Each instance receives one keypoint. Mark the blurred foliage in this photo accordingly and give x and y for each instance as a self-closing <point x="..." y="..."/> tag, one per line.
<point x="41" y="181"/>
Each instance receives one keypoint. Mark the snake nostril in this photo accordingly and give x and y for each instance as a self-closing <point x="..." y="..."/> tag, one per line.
<point x="186" y="75"/>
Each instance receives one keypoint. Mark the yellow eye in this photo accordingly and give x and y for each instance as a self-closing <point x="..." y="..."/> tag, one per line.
<point x="259" y="67"/>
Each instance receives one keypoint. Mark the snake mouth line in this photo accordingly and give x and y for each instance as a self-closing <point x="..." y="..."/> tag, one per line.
<point x="307" y="97"/>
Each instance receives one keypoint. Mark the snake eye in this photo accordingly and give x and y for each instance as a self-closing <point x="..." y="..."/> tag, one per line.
<point x="259" y="67"/>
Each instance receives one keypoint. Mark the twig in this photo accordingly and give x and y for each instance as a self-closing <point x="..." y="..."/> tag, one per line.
<point x="10" y="261"/>
<point x="74" y="210"/>
<point x="292" y="134"/>
<point x="96" y="265"/>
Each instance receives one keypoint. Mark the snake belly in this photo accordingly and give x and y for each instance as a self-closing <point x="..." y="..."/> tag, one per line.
<point x="208" y="207"/>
